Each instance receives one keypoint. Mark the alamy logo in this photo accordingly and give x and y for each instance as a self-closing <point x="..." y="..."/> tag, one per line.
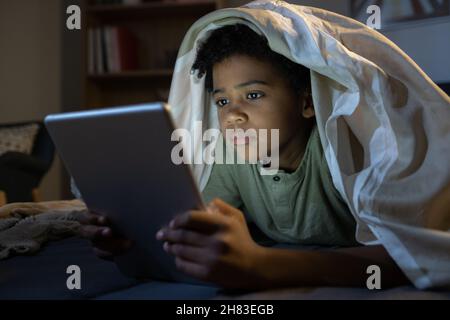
<point x="247" y="146"/>
<point x="74" y="280"/>
<point x="374" y="280"/>
<point x="73" y="21"/>
<point x="374" y="21"/>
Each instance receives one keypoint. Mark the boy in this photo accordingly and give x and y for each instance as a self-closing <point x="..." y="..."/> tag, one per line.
<point x="256" y="88"/>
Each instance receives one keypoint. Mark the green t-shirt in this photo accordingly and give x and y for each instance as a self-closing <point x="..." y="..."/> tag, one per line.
<point x="301" y="207"/>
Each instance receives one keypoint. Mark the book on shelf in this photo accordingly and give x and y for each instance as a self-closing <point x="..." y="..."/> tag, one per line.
<point x="111" y="49"/>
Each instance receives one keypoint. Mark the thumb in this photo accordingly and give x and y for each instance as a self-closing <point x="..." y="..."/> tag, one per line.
<point x="219" y="206"/>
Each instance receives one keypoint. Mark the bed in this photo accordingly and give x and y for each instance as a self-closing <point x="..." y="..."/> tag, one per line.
<point x="43" y="276"/>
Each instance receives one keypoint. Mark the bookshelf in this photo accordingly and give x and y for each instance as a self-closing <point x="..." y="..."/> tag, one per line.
<point x="156" y="28"/>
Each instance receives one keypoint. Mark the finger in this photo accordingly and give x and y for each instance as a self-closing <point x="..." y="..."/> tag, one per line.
<point x="103" y="220"/>
<point x="191" y="268"/>
<point x="183" y="236"/>
<point x="218" y="205"/>
<point x="90" y="218"/>
<point x="103" y="254"/>
<point x="187" y="252"/>
<point x="201" y="221"/>
<point x="212" y="208"/>
<point x="93" y="232"/>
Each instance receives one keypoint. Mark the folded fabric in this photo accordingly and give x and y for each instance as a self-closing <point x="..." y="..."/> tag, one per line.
<point x="26" y="235"/>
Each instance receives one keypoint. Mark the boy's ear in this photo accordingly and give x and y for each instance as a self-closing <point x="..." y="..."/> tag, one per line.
<point x="307" y="105"/>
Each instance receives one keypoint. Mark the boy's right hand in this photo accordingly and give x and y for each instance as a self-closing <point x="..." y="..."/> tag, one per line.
<point x="105" y="242"/>
<point x="94" y="227"/>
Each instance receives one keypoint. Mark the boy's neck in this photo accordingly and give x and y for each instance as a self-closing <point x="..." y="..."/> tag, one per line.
<point x="292" y="152"/>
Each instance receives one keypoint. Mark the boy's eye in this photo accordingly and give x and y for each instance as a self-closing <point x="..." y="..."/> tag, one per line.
<point x="221" y="102"/>
<point x="254" y="95"/>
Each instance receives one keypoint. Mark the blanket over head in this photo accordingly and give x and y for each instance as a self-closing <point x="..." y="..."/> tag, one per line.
<point x="370" y="100"/>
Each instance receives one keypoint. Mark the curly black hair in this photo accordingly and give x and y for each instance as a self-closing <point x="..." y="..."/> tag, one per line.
<point x="240" y="39"/>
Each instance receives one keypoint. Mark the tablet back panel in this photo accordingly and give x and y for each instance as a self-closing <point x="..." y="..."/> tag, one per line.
<point x="120" y="159"/>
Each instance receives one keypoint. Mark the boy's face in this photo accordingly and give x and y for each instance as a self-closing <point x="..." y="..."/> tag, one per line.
<point x="252" y="94"/>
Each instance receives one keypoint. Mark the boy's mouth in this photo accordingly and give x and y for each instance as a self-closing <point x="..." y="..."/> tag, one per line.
<point x="241" y="140"/>
<point x="241" y="137"/>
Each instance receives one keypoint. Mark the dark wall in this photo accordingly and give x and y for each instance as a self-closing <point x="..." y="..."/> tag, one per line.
<point x="71" y="69"/>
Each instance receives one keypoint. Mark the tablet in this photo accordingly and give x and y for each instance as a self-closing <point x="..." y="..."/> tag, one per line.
<point x="120" y="159"/>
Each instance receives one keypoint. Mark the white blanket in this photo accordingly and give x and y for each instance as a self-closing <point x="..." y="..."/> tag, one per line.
<point x="370" y="99"/>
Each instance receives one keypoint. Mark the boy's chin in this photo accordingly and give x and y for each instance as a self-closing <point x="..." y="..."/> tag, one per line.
<point x="249" y="155"/>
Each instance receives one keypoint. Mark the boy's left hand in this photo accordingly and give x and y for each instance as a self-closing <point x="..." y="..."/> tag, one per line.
<point x="213" y="245"/>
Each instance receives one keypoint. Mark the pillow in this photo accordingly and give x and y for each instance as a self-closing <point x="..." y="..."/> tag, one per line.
<point x="19" y="139"/>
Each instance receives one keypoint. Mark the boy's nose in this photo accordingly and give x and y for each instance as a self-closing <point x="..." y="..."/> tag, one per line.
<point x="236" y="117"/>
